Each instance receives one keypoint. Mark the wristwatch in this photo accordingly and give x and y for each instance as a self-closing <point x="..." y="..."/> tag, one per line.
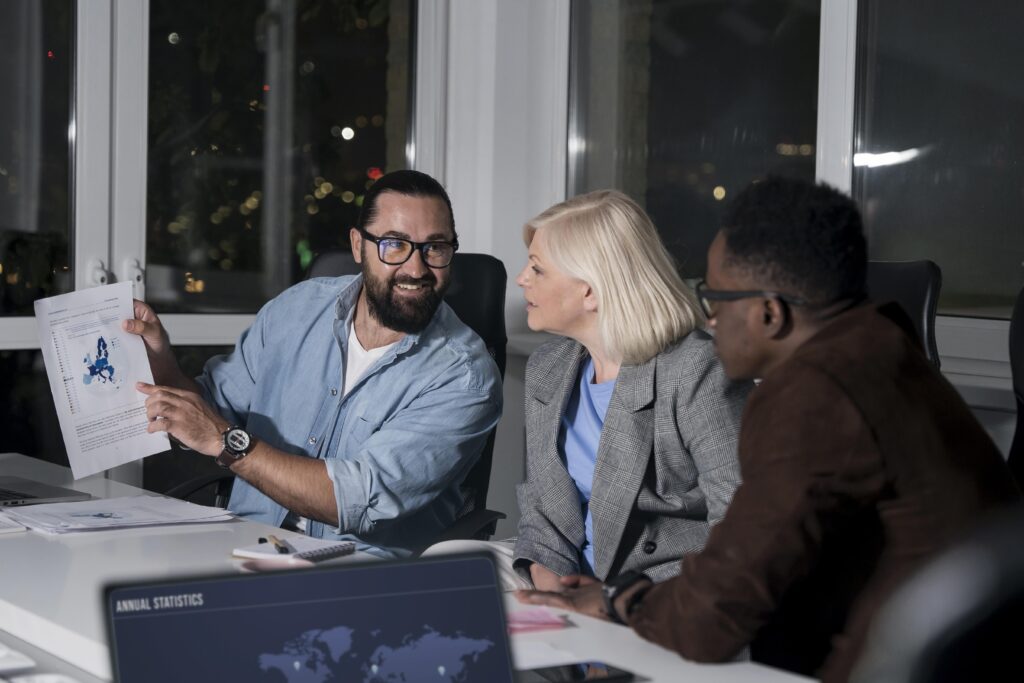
<point x="237" y="444"/>
<point x="613" y="588"/>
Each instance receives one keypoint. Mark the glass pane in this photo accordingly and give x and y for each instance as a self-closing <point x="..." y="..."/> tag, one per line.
<point x="36" y="69"/>
<point x="267" y="121"/>
<point x="939" y="143"/>
<point x="681" y="104"/>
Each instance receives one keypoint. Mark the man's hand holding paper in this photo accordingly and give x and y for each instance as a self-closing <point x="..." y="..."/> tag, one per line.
<point x="147" y="326"/>
<point x="185" y="416"/>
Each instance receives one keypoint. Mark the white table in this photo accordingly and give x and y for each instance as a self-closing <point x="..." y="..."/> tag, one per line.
<point x="51" y="591"/>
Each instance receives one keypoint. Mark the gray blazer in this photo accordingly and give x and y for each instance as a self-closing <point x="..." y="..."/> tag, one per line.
<point x="666" y="462"/>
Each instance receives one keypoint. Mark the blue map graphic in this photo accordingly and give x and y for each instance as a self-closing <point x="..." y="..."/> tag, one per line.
<point x="336" y="654"/>
<point x="100" y="369"/>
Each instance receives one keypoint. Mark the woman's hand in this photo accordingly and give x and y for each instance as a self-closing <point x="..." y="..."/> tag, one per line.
<point x="545" y="580"/>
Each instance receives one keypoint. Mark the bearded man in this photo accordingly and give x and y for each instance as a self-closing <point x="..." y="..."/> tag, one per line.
<point x="354" y="406"/>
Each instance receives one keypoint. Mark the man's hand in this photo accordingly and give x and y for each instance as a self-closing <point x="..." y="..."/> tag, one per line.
<point x="185" y="416"/>
<point x="581" y="594"/>
<point x="158" y="346"/>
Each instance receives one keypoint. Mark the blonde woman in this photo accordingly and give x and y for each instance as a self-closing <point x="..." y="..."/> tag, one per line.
<point x="631" y="424"/>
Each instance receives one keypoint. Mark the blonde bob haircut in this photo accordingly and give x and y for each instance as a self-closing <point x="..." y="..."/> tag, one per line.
<point x="606" y="240"/>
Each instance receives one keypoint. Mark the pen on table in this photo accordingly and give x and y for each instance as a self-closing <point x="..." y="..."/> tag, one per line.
<point x="281" y="546"/>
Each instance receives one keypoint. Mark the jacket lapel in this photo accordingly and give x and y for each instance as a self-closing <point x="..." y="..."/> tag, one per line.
<point x="553" y="388"/>
<point x="622" y="457"/>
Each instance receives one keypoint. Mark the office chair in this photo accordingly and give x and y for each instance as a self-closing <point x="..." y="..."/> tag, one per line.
<point x="477" y="295"/>
<point x="914" y="285"/>
<point x="958" y="619"/>
<point x="1016" y="457"/>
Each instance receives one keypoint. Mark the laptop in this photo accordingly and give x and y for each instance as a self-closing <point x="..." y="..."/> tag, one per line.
<point x="18" y="491"/>
<point x="435" y="619"/>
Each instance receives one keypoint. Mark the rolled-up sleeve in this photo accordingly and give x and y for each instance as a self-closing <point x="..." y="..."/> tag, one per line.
<point x="418" y="453"/>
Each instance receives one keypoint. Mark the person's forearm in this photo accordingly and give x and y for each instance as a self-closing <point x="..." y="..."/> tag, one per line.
<point x="185" y="382"/>
<point x="169" y="374"/>
<point x="295" y="482"/>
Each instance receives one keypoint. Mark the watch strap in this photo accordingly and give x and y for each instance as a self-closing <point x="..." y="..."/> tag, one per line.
<point x="230" y="454"/>
<point x="615" y="587"/>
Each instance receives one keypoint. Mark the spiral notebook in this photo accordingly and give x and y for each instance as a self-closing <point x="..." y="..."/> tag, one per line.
<point x="304" y="548"/>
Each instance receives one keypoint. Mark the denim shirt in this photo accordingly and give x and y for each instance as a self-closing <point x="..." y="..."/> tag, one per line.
<point x="396" y="447"/>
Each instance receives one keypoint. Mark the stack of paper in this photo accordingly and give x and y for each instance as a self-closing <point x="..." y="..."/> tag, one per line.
<point x="113" y="513"/>
<point x="8" y="525"/>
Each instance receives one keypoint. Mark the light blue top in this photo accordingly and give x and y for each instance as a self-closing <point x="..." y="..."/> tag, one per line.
<point x="578" y="438"/>
<point x="396" y="448"/>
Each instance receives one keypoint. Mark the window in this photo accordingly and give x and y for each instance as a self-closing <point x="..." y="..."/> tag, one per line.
<point x="680" y="105"/>
<point x="267" y="122"/>
<point x="36" y="66"/>
<point x="938" y="144"/>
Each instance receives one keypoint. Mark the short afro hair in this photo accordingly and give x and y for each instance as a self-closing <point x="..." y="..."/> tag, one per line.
<point x="802" y="238"/>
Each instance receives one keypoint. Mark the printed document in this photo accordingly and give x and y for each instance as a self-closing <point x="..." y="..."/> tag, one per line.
<point x="114" y="513"/>
<point x="93" y="365"/>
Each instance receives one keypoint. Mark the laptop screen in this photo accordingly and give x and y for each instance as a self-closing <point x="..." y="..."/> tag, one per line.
<point x="438" y="619"/>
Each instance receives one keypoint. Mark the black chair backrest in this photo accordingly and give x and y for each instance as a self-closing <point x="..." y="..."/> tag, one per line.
<point x="958" y="618"/>
<point x="1016" y="458"/>
<point x="915" y="286"/>
<point x="477" y="295"/>
<point x="333" y="264"/>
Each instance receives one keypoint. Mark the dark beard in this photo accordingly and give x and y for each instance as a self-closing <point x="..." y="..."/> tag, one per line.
<point x="408" y="317"/>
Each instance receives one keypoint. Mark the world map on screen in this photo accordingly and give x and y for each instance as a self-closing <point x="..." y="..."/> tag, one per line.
<point x="340" y="654"/>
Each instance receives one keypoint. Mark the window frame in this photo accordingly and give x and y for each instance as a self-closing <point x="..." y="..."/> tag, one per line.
<point x="974" y="352"/>
<point x="451" y="119"/>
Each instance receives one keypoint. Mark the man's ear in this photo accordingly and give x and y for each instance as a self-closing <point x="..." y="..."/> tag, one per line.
<point x="775" y="319"/>
<point x="355" y="240"/>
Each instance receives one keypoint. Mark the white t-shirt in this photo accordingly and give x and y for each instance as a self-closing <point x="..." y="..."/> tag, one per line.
<point x="357" y="361"/>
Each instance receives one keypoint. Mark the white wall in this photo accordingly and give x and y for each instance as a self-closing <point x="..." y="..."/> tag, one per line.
<point x="507" y="93"/>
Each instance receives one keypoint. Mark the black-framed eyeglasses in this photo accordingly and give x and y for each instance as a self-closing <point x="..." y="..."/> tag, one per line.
<point x="394" y="251"/>
<point x="707" y="297"/>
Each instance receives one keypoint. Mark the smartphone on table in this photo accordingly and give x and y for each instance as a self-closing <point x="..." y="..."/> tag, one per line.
<point x="580" y="671"/>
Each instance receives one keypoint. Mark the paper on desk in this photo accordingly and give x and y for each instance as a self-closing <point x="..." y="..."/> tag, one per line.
<point x="114" y="513"/>
<point x="93" y="365"/>
<point x="536" y="654"/>
<point x="8" y="525"/>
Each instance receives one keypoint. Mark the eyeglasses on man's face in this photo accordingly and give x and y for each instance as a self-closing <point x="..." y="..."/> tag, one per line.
<point x="708" y="297"/>
<point x="394" y="251"/>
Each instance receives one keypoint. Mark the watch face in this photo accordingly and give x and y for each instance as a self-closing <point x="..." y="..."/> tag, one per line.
<point x="236" y="440"/>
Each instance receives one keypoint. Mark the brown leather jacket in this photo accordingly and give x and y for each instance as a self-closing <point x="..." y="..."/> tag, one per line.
<point x="859" y="461"/>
